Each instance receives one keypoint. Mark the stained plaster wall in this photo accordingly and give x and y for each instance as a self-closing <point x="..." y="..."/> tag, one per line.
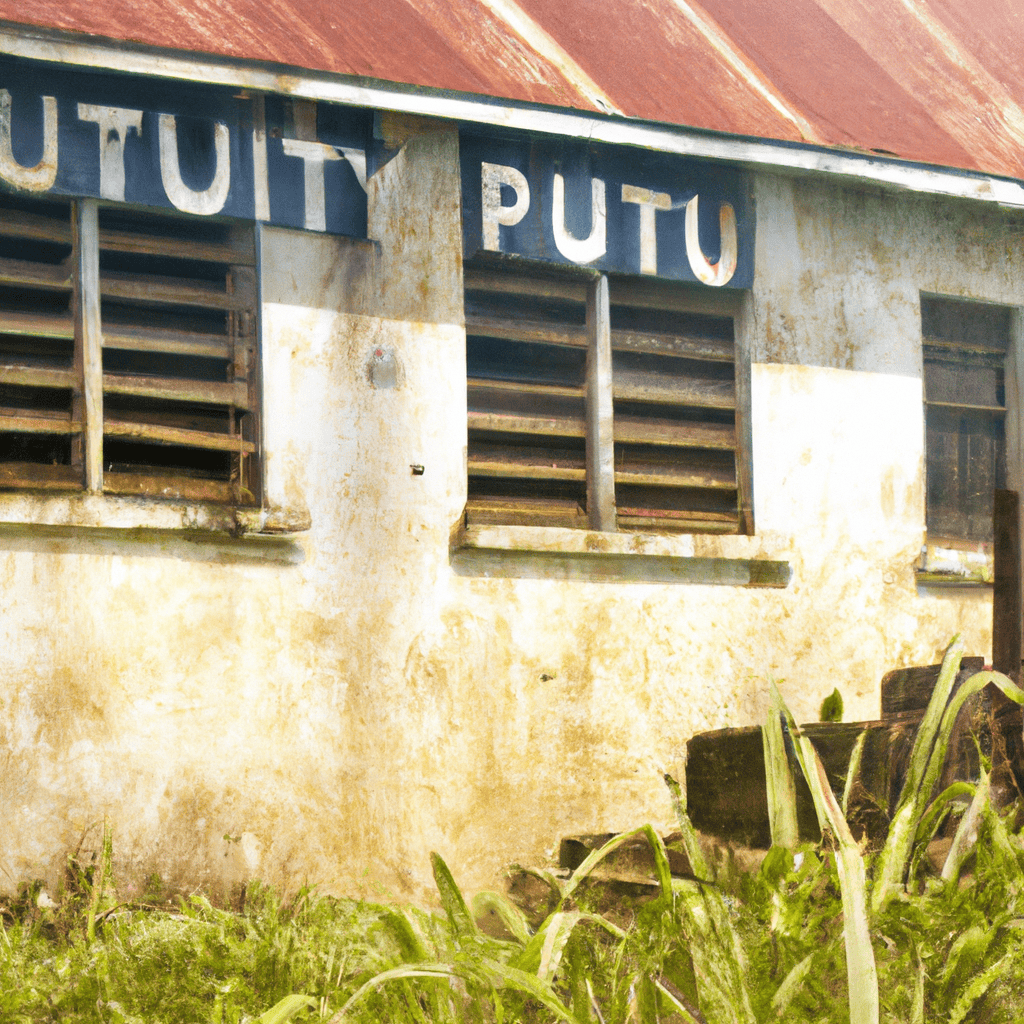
<point x="332" y="708"/>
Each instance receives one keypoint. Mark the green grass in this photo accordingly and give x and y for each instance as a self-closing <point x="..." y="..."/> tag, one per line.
<point x="820" y="933"/>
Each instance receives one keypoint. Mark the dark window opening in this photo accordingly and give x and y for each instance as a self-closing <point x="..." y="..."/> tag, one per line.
<point x="965" y="346"/>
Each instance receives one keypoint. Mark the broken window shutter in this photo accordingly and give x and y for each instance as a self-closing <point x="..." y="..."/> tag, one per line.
<point x="526" y="350"/>
<point x="37" y="377"/>
<point x="179" y="357"/>
<point x="674" y="384"/>
<point x="674" y="398"/>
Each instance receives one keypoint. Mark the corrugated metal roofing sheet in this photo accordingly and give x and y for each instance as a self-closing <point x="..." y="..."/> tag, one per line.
<point x="937" y="81"/>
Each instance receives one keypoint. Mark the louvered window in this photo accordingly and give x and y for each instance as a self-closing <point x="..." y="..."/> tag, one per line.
<point x="965" y="347"/>
<point x="556" y="428"/>
<point x="164" y="402"/>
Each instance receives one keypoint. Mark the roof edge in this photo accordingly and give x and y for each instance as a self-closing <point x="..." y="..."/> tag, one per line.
<point x="107" y="54"/>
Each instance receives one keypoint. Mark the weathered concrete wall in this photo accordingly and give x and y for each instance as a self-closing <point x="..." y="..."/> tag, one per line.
<point x="336" y="706"/>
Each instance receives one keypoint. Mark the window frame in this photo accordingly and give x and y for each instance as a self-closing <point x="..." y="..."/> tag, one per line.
<point x="182" y="395"/>
<point x="948" y="558"/>
<point x="602" y="292"/>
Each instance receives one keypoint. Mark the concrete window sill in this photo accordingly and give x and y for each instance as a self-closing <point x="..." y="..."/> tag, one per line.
<point x="946" y="566"/>
<point x="110" y="517"/>
<point x="531" y="552"/>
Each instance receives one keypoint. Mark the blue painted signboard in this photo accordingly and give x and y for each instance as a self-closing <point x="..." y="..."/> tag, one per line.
<point x="200" y="149"/>
<point x="611" y="208"/>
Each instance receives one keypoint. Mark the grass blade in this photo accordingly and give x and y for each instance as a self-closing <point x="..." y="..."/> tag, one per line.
<point x="853" y="769"/>
<point x="791" y="985"/>
<point x="698" y="865"/>
<point x="894" y="858"/>
<point x="710" y="917"/>
<point x="782" y="819"/>
<point x="405" y="935"/>
<point x="917" y="1009"/>
<point x="861" y="972"/>
<point x="509" y="914"/>
<point x="543" y="952"/>
<point x="686" y="1012"/>
<point x="967" y="832"/>
<point x="977" y="987"/>
<point x="930" y="724"/>
<point x="975" y="684"/>
<point x="451" y="899"/>
<point x="408" y="971"/>
<point x="596" y="856"/>
<point x="286" y="1009"/>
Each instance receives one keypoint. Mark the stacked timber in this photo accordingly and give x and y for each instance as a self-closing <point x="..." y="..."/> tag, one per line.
<point x="725" y="775"/>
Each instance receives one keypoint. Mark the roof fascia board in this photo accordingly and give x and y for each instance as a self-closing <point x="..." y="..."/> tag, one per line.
<point x="114" y="55"/>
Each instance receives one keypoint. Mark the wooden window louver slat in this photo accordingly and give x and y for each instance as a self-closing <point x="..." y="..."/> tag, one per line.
<point x="674" y="404"/>
<point x="37" y="346"/>
<point x="179" y="375"/>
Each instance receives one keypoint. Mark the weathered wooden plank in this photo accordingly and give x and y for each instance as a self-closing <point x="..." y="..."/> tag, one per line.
<point x="660" y="474"/>
<point x="647" y="386"/>
<point x="944" y="345"/>
<point x="966" y="407"/>
<point x="668" y="515"/>
<point x="637" y="430"/>
<point x="160" y="434"/>
<point x="149" y="339"/>
<point x="671" y="296"/>
<point x="726" y="790"/>
<point x="38" y="228"/>
<point x="519" y="463"/>
<point x="905" y="692"/>
<point x="507" y="283"/>
<point x="480" y="385"/>
<point x="234" y="251"/>
<point x="677" y="523"/>
<point x="36" y="377"/>
<point x="512" y="423"/>
<point x="518" y="511"/>
<point x="153" y="289"/>
<point x="177" y="390"/>
<point x="160" y="486"/>
<point x="29" y="274"/>
<point x="689" y="346"/>
<point x="33" y="421"/>
<point x="527" y="331"/>
<point x="35" y="476"/>
<point x="39" y="325"/>
<point x="570" y="335"/>
<point x="600" y="468"/>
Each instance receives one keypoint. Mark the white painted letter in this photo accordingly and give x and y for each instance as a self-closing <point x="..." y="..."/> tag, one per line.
<point x="260" y="176"/>
<point x="648" y="202"/>
<point x="313" y="156"/>
<point x="580" y="250"/>
<point x="114" y="126"/>
<point x="493" y="176"/>
<point x="721" y="272"/>
<point x="209" y="200"/>
<point x="33" y="179"/>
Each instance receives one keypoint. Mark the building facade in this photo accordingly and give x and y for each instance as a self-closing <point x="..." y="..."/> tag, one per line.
<point x="376" y="482"/>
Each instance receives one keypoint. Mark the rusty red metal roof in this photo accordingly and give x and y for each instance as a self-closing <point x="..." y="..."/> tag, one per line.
<point x="934" y="81"/>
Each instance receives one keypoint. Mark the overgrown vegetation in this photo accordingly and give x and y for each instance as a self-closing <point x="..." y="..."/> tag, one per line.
<point x="820" y="933"/>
